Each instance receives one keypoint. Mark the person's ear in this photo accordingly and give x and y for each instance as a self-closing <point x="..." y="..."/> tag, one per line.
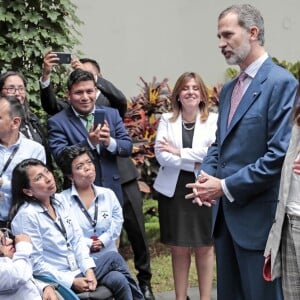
<point x="27" y="192"/>
<point x="17" y="122"/>
<point x="253" y="33"/>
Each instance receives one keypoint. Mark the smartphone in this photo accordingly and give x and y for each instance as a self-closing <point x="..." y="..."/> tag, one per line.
<point x="64" y="57"/>
<point x="99" y="117"/>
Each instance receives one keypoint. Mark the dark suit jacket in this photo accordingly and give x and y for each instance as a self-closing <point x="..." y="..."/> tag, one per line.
<point x="109" y="96"/>
<point x="250" y="153"/>
<point x="32" y="128"/>
<point x="66" y="129"/>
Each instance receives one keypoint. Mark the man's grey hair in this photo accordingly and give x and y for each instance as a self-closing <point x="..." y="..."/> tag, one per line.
<point x="248" y="16"/>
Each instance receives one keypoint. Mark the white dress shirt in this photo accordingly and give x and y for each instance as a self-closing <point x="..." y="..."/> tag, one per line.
<point x="16" y="281"/>
<point x="109" y="221"/>
<point x="50" y="248"/>
<point x="26" y="149"/>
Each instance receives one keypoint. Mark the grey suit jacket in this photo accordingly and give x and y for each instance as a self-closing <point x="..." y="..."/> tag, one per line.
<point x="285" y="192"/>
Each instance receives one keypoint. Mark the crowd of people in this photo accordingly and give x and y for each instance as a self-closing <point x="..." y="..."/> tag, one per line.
<point x="228" y="184"/>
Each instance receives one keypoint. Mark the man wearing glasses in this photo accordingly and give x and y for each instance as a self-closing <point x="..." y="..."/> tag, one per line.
<point x="16" y="270"/>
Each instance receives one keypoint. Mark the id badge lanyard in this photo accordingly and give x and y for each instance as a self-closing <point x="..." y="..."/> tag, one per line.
<point x="93" y="222"/>
<point x="61" y="228"/>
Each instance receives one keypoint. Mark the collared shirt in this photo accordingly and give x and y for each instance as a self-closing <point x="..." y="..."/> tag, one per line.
<point x="16" y="281"/>
<point x="50" y="248"/>
<point x="109" y="221"/>
<point x="26" y="149"/>
<point x="112" y="142"/>
<point x="251" y="71"/>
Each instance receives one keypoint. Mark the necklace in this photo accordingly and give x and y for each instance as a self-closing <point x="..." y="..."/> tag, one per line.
<point x="187" y="127"/>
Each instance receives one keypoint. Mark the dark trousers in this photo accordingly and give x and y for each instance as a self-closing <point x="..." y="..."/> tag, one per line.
<point x="239" y="270"/>
<point x="111" y="270"/>
<point x="135" y="229"/>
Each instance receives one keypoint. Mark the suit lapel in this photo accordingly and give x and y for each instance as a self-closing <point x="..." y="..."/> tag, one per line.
<point x="224" y="111"/>
<point x="198" y="132"/>
<point x="251" y="95"/>
<point x="176" y="131"/>
<point x="76" y="122"/>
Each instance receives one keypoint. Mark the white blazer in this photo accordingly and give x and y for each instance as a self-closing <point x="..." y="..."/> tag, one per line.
<point x="170" y="164"/>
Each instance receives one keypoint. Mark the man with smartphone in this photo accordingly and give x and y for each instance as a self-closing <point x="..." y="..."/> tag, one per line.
<point x="106" y="142"/>
<point x="134" y="225"/>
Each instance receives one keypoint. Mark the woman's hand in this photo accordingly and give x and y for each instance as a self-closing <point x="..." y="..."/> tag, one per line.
<point x="91" y="279"/>
<point x="165" y="145"/>
<point x="80" y="284"/>
<point x="49" y="293"/>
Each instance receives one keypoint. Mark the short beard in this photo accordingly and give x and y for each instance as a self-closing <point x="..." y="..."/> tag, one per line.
<point x="240" y="55"/>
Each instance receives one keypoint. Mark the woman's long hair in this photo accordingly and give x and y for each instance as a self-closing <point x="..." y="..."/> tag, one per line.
<point x="176" y="104"/>
<point x="20" y="181"/>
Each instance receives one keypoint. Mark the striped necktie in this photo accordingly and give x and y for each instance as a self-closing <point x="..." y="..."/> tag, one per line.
<point x="237" y="95"/>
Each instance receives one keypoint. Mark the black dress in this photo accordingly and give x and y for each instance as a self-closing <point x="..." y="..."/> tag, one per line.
<point x="183" y="223"/>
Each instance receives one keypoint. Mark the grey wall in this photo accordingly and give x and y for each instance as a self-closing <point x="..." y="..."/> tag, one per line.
<point x="165" y="38"/>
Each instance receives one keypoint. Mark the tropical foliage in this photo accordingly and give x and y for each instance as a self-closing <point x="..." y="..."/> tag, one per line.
<point x="27" y="29"/>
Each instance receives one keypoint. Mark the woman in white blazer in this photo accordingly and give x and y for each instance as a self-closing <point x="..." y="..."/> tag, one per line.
<point x="283" y="245"/>
<point x="182" y="140"/>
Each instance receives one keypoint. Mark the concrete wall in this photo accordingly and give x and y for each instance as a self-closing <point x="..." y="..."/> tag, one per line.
<point x="165" y="38"/>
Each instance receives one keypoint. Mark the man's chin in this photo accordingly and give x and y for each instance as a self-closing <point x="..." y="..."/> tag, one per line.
<point x="231" y="61"/>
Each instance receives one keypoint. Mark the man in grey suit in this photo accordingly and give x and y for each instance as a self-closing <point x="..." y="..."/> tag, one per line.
<point x="241" y="172"/>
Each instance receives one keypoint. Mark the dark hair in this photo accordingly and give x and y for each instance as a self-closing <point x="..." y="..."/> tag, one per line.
<point x="79" y="75"/>
<point x="181" y="81"/>
<point x="3" y="78"/>
<point x="15" y="107"/>
<point x="91" y="61"/>
<point x="19" y="182"/>
<point x="248" y="16"/>
<point x="7" y="74"/>
<point x="68" y="155"/>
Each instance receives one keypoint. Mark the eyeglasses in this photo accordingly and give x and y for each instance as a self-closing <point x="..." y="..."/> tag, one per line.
<point x="14" y="89"/>
<point x="6" y="234"/>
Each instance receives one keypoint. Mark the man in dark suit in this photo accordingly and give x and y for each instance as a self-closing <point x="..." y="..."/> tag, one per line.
<point x="109" y="95"/>
<point x="106" y="142"/>
<point x="244" y="162"/>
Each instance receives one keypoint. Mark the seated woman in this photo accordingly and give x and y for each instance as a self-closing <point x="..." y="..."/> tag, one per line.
<point x="97" y="209"/>
<point x="59" y="249"/>
<point x="16" y="270"/>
